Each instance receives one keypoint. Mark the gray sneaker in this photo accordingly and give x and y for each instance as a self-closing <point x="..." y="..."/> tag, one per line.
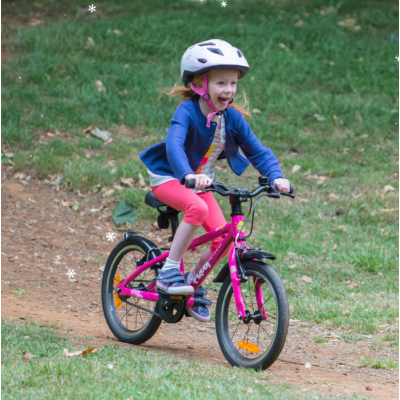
<point x="173" y="282"/>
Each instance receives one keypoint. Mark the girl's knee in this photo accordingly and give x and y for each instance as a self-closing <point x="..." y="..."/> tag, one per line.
<point x="197" y="212"/>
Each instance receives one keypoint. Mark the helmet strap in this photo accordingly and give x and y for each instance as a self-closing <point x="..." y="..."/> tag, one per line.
<point x="206" y="97"/>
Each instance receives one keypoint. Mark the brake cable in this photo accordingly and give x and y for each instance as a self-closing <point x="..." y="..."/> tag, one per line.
<point x="252" y="219"/>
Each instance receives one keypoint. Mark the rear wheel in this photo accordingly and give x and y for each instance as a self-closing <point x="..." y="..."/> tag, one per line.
<point x="130" y="319"/>
<point x="256" y="342"/>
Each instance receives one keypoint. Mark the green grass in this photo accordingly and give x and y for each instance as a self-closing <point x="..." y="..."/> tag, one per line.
<point x="319" y="340"/>
<point x="136" y="372"/>
<point x="378" y="363"/>
<point x="347" y="76"/>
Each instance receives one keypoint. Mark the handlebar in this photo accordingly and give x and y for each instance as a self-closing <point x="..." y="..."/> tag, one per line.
<point x="243" y="194"/>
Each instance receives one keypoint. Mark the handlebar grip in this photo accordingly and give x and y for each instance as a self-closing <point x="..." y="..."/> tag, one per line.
<point x="291" y="190"/>
<point x="190" y="184"/>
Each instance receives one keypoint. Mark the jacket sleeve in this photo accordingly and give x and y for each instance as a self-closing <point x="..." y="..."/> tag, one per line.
<point x="262" y="158"/>
<point x="175" y="143"/>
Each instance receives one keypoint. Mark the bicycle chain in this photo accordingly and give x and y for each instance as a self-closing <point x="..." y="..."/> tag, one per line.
<point x="142" y="308"/>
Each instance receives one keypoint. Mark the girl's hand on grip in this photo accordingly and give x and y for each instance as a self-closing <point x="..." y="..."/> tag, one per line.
<point x="283" y="185"/>
<point x="202" y="181"/>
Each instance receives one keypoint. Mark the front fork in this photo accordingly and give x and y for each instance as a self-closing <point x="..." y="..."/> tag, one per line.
<point x="240" y="308"/>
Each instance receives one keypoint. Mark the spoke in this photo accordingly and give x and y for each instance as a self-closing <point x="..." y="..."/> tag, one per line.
<point x="267" y="300"/>
<point x="234" y="333"/>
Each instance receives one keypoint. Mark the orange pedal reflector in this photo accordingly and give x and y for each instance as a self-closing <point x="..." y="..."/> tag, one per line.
<point x="249" y="347"/>
<point x="118" y="301"/>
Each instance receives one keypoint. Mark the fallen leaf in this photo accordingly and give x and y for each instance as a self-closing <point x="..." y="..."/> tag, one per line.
<point x="28" y="356"/>
<point x="34" y="22"/>
<point x="50" y="134"/>
<point x="304" y="200"/>
<point x="306" y="279"/>
<point x="67" y="203"/>
<point x="55" y="181"/>
<point x="333" y="196"/>
<point x="356" y="196"/>
<point x="109" y="192"/>
<point x="249" y="390"/>
<point x="127" y="181"/>
<point x="100" y="86"/>
<point x="348" y="23"/>
<point x="299" y="23"/>
<point x="124" y="92"/>
<point x="296" y="168"/>
<point x="76" y="353"/>
<point x="117" y="32"/>
<point x="90" y="350"/>
<point x="281" y="45"/>
<point x="156" y="225"/>
<point x="318" y="117"/>
<point x="334" y="247"/>
<point x="19" y="292"/>
<point x="118" y="187"/>
<point x="388" y="209"/>
<point x="91" y="127"/>
<point x="89" y="43"/>
<point x="388" y="188"/>
<point x="141" y="180"/>
<point x="104" y="135"/>
<point x="256" y="111"/>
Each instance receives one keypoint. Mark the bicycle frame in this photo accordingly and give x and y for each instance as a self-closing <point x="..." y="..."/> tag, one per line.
<point x="230" y="230"/>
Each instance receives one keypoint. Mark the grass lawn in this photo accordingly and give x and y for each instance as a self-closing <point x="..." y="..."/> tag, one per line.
<point x="341" y="231"/>
<point x="121" y="373"/>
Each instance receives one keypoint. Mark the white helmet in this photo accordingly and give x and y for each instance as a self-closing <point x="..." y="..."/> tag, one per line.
<point x="211" y="54"/>
<point x="205" y="56"/>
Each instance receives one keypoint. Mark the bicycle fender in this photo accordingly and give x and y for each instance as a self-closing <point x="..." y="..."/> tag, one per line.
<point x="258" y="255"/>
<point x="154" y="250"/>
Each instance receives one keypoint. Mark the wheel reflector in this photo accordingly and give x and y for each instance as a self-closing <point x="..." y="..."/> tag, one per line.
<point x="118" y="301"/>
<point x="249" y="347"/>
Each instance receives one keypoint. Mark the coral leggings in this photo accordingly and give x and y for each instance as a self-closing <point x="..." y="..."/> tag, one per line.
<point x="200" y="209"/>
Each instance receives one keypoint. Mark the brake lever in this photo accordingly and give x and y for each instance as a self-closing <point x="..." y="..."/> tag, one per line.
<point x="288" y="194"/>
<point x="274" y="195"/>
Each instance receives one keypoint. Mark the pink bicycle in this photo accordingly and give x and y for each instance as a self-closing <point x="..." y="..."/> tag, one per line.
<point x="252" y="311"/>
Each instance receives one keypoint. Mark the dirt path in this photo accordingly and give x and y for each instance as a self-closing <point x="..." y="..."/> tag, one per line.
<point x="43" y="239"/>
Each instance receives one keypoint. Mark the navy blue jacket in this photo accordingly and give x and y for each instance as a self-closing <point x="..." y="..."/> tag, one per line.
<point x="188" y="140"/>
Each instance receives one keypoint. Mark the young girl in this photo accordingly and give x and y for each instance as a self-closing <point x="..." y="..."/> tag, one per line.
<point x="207" y="126"/>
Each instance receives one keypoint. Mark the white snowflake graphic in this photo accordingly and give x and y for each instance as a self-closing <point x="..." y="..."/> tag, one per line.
<point x="110" y="366"/>
<point x="92" y="8"/>
<point x="71" y="273"/>
<point x="110" y="236"/>
<point x="223" y="4"/>
<point x="308" y="365"/>
<point x="397" y="58"/>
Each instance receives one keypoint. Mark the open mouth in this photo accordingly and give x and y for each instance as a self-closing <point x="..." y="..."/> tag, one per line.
<point x="223" y="101"/>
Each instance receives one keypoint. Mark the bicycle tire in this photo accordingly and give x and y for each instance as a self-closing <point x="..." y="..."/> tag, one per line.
<point x="140" y="244"/>
<point x="222" y="319"/>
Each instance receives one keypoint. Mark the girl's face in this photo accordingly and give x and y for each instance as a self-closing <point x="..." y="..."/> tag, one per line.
<point x="221" y="87"/>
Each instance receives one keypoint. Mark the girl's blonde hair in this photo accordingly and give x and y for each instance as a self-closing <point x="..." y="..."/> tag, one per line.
<point x="188" y="93"/>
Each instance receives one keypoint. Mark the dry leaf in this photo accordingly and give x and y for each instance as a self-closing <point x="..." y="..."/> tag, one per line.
<point x="118" y="187"/>
<point x="28" y="356"/>
<point x="334" y="247"/>
<point x="388" y="188"/>
<point x="284" y="47"/>
<point x="388" y="209"/>
<point x="348" y="23"/>
<point x="333" y="196"/>
<point x="249" y="390"/>
<point x="304" y="200"/>
<point x="256" y="111"/>
<point x="156" y="225"/>
<point x="299" y="23"/>
<point x="356" y="196"/>
<point x="117" y="32"/>
<point x="141" y="180"/>
<point x="50" y="134"/>
<point x="127" y="181"/>
<point x="80" y="353"/>
<point x="296" y="168"/>
<point x="90" y="350"/>
<point x="34" y="22"/>
<point x="109" y="192"/>
<point x="67" y="203"/>
<point x="88" y="129"/>
<point x="89" y="43"/>
<point x="306" y="279"/>
<point x="100" y="86"/>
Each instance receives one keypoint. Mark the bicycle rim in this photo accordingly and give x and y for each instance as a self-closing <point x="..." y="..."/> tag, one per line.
<point x="130" y="315"/>
<point x="251" y="343"/>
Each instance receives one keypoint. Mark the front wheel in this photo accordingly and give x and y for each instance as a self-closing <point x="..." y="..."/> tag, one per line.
<point x="257" y="342"/>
